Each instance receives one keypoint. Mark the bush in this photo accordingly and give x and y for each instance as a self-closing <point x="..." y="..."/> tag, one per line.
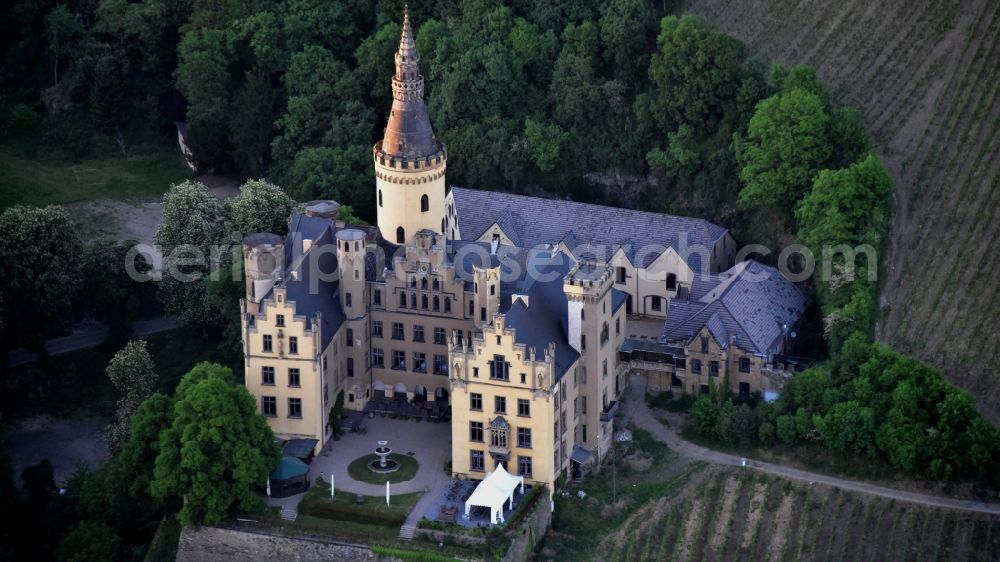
<point x="410" y="555"/>
<point x="23" y="119"/>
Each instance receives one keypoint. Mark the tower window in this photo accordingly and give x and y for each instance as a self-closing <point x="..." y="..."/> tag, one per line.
<point x="425" y="204"/>
<point x="400" y="235"/>
<point x="380" y="198"/>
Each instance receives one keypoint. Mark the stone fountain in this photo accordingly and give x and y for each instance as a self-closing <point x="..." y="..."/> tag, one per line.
<point x="383" y="464"/>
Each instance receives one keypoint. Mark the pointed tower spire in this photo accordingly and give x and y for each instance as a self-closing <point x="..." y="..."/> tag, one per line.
<point x="408" y="132"/>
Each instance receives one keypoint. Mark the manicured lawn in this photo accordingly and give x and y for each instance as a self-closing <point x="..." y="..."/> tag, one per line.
<point x="400" y="504"/>
<point x="358" y="469"/>
<point x="35" y="174"/>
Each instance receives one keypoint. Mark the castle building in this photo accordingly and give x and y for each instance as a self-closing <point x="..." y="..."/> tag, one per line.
<point x="508" y="315"/>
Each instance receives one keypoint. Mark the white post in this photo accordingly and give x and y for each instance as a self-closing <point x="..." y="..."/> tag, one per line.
<point x="268" y="486"/>
<point x="331" y="484"/>
<point x="386" y="492"/>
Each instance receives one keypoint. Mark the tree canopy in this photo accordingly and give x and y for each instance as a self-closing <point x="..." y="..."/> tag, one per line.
<point x="217" y="450"/>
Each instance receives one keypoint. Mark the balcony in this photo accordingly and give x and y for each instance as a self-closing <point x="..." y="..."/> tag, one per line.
<point x="609" y="411"/>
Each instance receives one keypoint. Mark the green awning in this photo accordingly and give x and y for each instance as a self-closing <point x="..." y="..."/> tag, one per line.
<point x="288" y="468"/>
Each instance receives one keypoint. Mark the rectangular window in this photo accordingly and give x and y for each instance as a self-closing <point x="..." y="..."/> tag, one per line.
<point x="378" y="357"/>
<point x="524" y="466"/>
<point x="500" y="404"/>
<point x="440" y="336"/>
<point x="524" y="437"/>
<point x="348" y="300"/>
<point x="482" y="314"/>
<point x="621" y="274"/>
<point x="268" y="343"/>
<point x="704" y="344"/>
<point x="583" y="405"/>
<point x="293" y="345"/>
<point x="696" y="366"/>
<point x="475" y="372"/>
<point x="744" y="364"/>
<point x="583" y="342"/>
<point x="269" y="406"/>
<point x="398" y="360"/>
<point x="418" y="333"/>
<point x="295" y="407"/>
<point x="326" y="394"/>
<point x="419" y="362"/>
<point x="713" y="368"/>
<point x="279" y="320"/>
<point x="562" y="420"/>
<point x="267" y="376"/>
<point x="293" y="377"/>
<point x="523" y="407"/>
<point x="476" y="401"/>
<point x="476" y="431"/>
<point x="656" y="303"/>
<point x="397" y="331"/>
<point x="377" y="297"/>
<point x="376" y="328"/>
<point x="499" y="368"/>
<point x="477" y="461"/>
<point x="440" y="364"/>
<point x="618" y="326"/>
<point x="584" y="433"/>
<point x="350" y="366"/>
<point x="350" y="337"/>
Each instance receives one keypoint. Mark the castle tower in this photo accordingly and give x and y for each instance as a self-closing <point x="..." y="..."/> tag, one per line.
<point x="409" y="161"/>
<point x="486" y="292"/>
<point x="353" y="298"/>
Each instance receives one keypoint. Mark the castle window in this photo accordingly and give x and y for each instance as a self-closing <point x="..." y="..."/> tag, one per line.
<point x="295" y="407"/>
<point x="704" y="344"/>
<point x="425" y="204"/>
<point x="279" y="320"/>
<point x="267" y="376"/>
<point x="671" y="282"/>
<point x="380" y="198"/>
<point x="656" y="303"/>
<point x="400" y="235"/>
<point x="436" y="285"/>
<point x="413" y="301"/>
<point x="293" y="345"/>
<point x="744" y="364"/>
<point x="493" y="289"/>
<point x="437" y="304"/>
<point x="294" y="379"/>
<point x="447" y="304"/>
<point x="268" y="345"/>
<point x="423" y="283"/>
<point x="377" y="297"/>
<point x="402" y="300"/>
<point x="621" y="274"/>
<point x="269" y="406"/>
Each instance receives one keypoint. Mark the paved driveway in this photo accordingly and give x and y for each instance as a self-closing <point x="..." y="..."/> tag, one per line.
<point x="65" y="442"/>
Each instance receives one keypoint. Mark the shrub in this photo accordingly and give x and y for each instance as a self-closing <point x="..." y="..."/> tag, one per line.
<point x="23" y="119"/>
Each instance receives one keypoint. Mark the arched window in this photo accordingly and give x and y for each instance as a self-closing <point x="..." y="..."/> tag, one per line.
<point x="671" y="282"/>
<point x="437" y="304"/>
<point x="400" y="235"/>
<point x="443" y="229"/>
<point x="423" y="302"/>
<point x="413" y="300"/>
<point x="436" y="285"/>
<point x="402" y="300"/>
<point x="425" y="204"/>
<point x="380" y="198"/>
<point x="423" y="283"/>
<point x="447" y="304"/>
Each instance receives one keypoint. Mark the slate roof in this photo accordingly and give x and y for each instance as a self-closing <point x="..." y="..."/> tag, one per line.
<point x="301" y="268"/>
<point x="533" y="221"/>
<point x="751" y="301"/>
<point x="544" y="320"/>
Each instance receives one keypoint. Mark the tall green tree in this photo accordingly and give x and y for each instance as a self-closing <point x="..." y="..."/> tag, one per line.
<point x="39" y="263"/>
<point x="217" y="450"/>
<point x="251" y="124"/>
<point x="785" y="146"/>
<point x="132" y="372"/>
<point x="260" y="206"/>
<point x="107" y="289"/>
<point x="203" y="77"/>
<point x="193" y="223"/>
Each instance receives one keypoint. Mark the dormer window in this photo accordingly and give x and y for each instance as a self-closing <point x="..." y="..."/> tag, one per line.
<point x="499" y="369"/>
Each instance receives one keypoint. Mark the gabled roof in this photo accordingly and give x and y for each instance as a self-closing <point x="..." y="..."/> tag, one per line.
<point x="751" y="302"/>
<point x="544" y="320"/>
<point x="554" y="220"/>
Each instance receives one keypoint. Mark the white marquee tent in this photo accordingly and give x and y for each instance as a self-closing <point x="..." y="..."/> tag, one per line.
<point x="493" y="491"/>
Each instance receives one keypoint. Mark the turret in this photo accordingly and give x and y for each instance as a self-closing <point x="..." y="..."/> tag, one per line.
<point x="263" y="259"/>
<point x="409" y="161"/>
<point x="351" y="263"/>
<point x="486" y="291"/>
